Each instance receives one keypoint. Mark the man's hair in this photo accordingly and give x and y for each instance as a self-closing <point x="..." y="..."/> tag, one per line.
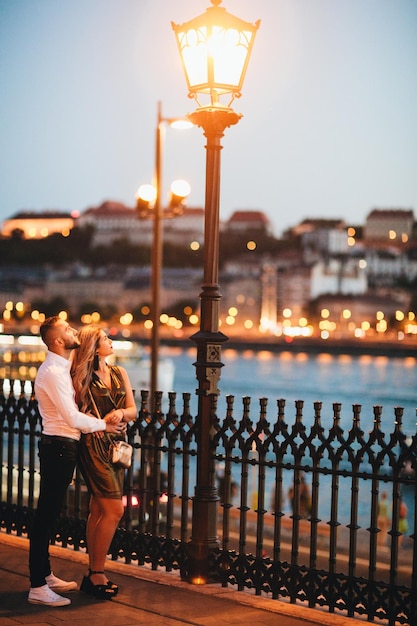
<point x="47" y="325"/>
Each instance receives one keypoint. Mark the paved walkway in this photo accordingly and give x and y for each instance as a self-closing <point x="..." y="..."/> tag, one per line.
<point x="145" y="597"/>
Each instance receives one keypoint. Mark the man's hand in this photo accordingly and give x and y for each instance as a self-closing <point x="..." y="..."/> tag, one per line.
<point x="116" y="429"/>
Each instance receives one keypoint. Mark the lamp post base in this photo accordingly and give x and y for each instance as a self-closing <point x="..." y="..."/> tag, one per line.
<point x="204" y="540"/>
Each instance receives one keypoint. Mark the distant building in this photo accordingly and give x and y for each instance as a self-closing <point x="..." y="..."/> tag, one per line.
<point x="293" y="289"/>
<point x="311" y="225"/>
<point x="113" y="220"/>
<point x="248" y="221"/>
<point x="385" y="267"/>
<point x="300" y="283"/>
<point x="34" y="225"/>
<point x="362" y="308"/>
<point x="241" y="289"/>
<point x="324" y="237"/>
<point x="341" y="276"/>
<point x="185" y="228"/>
<point x="392" y="227"/>
<point x="84" y="286"/>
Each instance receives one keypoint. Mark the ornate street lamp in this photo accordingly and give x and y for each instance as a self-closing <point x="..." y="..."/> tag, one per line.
<point x="149" y="197"/>
<point x="215" y="48"/>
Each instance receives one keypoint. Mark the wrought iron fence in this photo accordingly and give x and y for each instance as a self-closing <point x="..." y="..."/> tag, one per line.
<point x="300" y="515"/>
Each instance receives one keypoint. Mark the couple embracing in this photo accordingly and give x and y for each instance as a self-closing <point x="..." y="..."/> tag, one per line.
<point x="85" y="405"/>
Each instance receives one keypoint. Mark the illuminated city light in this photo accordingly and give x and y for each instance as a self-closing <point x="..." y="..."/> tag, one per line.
<point x="381" y="326"/>
<point x="298" y="331"/>
<point x="126" y="319"/>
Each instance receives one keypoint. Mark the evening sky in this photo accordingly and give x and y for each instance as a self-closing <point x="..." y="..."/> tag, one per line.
<point x="329" y="104"/>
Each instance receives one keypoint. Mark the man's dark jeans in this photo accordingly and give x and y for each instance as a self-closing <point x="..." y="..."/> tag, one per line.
<point x="58" y="457"/>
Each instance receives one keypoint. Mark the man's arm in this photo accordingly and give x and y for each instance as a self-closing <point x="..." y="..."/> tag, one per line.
<point x="59" y="389"/>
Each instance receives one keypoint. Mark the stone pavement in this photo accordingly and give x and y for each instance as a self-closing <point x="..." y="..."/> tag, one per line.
<point x="145" y="597"/>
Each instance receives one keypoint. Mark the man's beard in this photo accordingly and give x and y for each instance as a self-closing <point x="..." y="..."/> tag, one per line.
<point x="72" y="344"/>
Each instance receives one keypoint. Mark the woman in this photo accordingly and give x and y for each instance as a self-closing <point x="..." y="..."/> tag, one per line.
<point x="100" y="389"/>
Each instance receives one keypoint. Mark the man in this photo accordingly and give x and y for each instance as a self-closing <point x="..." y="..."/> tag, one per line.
<point x="62" y="424"/>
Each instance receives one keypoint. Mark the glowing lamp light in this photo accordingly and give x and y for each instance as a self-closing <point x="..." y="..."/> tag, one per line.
<point x="145" y="198"/>
<point x="215" y="48"/>
<point x="180" y="188"/>
<point x="179" y="192"/>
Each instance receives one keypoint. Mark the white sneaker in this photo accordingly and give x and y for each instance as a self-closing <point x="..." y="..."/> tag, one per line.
<point x="44" y="595"/>
<point x="57" y="584"/>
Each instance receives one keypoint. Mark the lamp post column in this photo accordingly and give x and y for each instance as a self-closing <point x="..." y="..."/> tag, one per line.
<point x="156" y="261"/>
<point x="208" y="340"/>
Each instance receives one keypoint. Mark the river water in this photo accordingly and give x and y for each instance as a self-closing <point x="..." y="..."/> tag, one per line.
<point x="364" y="380"/>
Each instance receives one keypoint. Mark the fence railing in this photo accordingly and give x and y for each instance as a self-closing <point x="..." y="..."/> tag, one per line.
<point x="306" y="514"/>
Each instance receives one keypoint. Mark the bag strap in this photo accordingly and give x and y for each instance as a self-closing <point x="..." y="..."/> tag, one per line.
<point x="96" y="411"/>
<point x="93" y="402"/>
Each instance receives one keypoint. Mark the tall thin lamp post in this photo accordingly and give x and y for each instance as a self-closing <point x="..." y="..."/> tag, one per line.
<point x="215" y="48"/>
<point x="150" y="197"/>
<point x="156" y="261"/>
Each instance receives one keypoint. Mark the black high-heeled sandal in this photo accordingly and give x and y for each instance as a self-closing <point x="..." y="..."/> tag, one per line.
<point x="103" y="592"/>
<point x="109" y="583"/>
<point x="113" y="587"/>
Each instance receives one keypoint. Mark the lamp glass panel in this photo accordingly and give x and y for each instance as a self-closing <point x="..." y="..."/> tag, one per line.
<point x="229" y="49"/>
<point x="193" y="48"/>
<point x="214" y="61"/>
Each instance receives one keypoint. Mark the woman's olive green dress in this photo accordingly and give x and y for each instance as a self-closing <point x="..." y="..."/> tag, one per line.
<point x="102" y="477"/>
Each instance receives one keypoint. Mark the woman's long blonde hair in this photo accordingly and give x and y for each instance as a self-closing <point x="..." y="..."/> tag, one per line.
<point x="83" y="364"/>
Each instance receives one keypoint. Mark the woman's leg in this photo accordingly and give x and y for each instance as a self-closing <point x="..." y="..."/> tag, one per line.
<point x="104" y="517"/>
